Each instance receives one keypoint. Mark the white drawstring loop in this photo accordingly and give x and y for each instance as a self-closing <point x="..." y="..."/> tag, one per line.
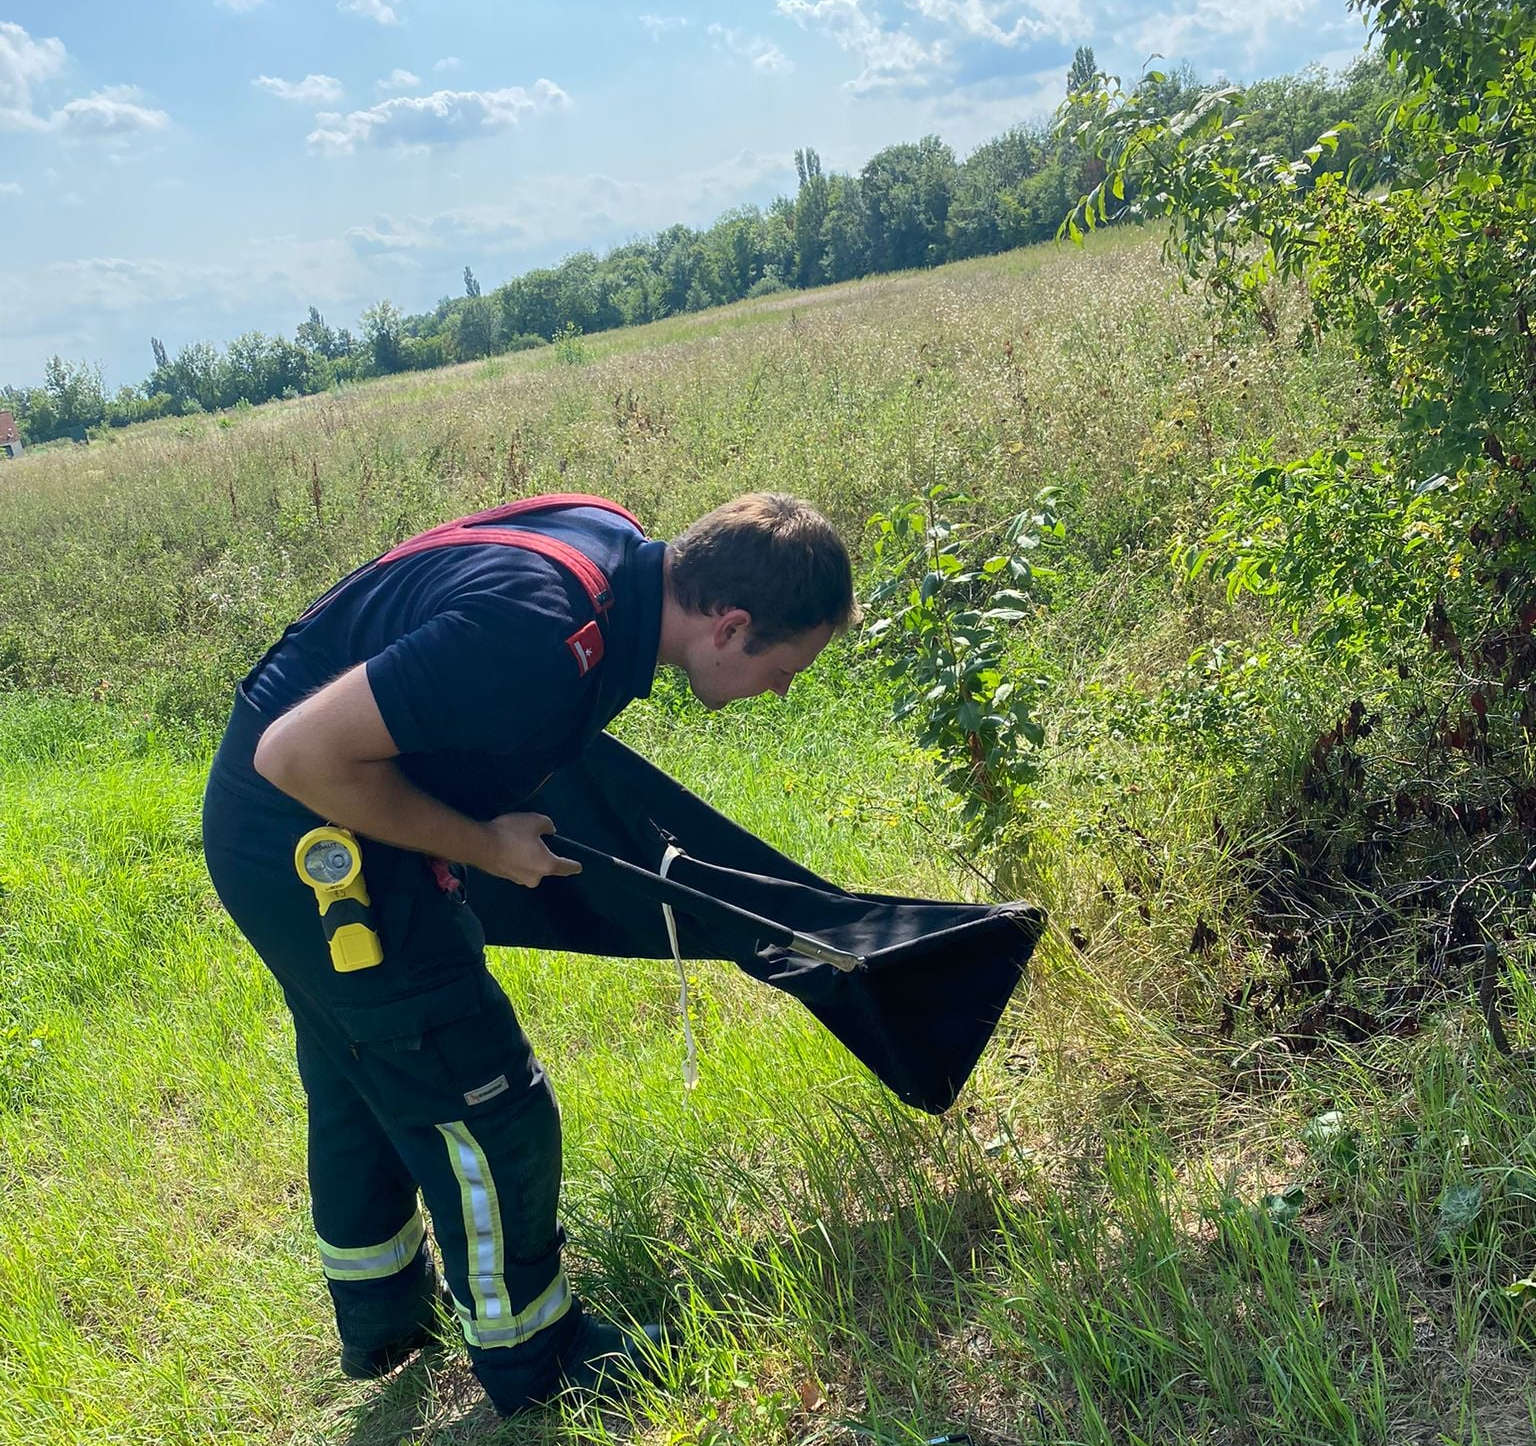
<point x="691" y="1057"/>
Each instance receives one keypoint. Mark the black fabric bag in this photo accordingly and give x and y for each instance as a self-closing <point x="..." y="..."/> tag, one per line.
<point x="919" y="1010"/>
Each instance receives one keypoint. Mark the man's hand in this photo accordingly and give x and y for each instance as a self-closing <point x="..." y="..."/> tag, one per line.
<point x="514" y="849"/>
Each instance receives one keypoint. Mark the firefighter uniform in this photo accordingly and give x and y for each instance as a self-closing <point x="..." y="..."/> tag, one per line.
<point x="496" y="648"/>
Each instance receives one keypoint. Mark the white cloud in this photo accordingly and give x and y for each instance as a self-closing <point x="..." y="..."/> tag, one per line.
<point x="24" y="63"/>
<point x="985" y="20"/>
<point x="763" y="54"/>
<point x="1222" y="32"/>
<point x="112" y="113"/>
<point x="264" y="270"/>
<point x="934" y="48"/>
<point x="890" y="57"/>
<point x="397" y="79"/>
<point x="312" y="90"/>
<point x="104" y="306"/>
<point x="488" y="229"/>
<point x="10" y="188"/>
<point x="443" y="118"/>
<point x="370" y="9"/>
<point x="658" y="25"/>
<point x="582" y="211"/>
<point x="972" y="114"/>
<point x="110" y="283"/>
<point x="448" y="62"/>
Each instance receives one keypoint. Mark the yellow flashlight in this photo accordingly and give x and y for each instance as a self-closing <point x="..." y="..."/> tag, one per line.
<point x="331" y="863"/>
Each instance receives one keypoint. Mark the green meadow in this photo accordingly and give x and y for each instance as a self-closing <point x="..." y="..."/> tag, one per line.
<point x="1151" y="1218"/>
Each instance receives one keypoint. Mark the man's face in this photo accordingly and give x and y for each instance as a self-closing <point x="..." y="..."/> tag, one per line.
<point x="722" y="669"/>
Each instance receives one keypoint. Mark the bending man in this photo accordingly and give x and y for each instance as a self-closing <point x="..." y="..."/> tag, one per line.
<point x="420" y="704"/>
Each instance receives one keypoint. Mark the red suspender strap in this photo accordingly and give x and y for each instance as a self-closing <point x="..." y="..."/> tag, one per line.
<point x="544" y="504"/>
<point x="587" y="572"/>
<point x="479" y="527"/>
<point x="430" y="538"/>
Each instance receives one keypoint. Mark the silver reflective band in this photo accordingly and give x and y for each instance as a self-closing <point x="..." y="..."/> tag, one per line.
<point x="488" y="1318"/>
<point x="544" y="1311"/>
<point x="374" y="1262"/>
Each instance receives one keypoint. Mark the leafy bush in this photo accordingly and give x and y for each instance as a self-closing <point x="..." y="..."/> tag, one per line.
<point x="949" y="604"/>
<point x="1426" y="242"/>
<point x="1397" y="853"/>
<point x="1331" y="538"/>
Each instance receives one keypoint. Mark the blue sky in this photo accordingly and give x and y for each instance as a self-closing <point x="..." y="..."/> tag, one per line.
<point x="200" y="168"/>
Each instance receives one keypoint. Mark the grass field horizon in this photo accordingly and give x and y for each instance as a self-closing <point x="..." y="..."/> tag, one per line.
<point x="1134" y="1226"/>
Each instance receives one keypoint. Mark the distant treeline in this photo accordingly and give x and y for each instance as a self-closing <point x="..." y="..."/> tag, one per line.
<point x="910" y="206"/>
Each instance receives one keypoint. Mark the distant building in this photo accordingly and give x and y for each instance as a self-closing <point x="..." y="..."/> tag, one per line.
<point x="10" y="438"/>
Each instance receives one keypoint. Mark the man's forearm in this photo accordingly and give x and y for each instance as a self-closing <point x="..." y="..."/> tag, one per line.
<point x="373" y="797"/>
<point x="334" y="754"/>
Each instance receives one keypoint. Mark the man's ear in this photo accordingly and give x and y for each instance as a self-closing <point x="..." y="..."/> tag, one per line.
<point x="727" y="623"/>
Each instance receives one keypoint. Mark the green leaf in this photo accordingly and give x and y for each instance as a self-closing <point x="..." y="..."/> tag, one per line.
<point x="1286" y="1207"/>
<point x="1459" y="1206"/>
<point x="1522" y="1289"/>
<point x="1329" y="1137"/>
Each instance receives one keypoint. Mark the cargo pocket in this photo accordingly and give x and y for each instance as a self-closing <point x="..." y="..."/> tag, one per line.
<point x="448" y="1052"/>
<point x="428" y="935"/>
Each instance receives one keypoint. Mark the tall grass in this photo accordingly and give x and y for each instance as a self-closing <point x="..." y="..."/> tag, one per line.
<point x="161" y="559"/>
<point x="1129" y="1229"/>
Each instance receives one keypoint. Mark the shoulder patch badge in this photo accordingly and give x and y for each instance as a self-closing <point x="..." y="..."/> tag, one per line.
<point x="586" y="645"/>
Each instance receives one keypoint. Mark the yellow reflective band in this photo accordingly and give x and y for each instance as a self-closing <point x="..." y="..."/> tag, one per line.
<point x="374" y="1262"/>
<point x="491" y="1319"/>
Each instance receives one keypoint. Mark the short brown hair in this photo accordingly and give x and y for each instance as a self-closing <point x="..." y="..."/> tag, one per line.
<point x="772" y="555"/>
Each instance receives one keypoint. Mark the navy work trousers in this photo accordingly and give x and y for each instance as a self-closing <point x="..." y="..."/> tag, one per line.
<point x="419" y="1078"/>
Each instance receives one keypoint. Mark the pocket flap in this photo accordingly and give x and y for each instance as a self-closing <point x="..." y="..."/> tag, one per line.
<point x="414" y="1014"/>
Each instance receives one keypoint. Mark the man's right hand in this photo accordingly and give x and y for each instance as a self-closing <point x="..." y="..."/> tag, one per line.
<point x="514" y="849"/>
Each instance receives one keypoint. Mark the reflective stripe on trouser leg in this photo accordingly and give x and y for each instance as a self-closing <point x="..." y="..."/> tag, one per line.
<point x="374" y="1262"/>
<point x="491" y="1318"/>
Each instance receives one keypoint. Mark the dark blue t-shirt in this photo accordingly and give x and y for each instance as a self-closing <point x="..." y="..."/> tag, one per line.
<point x="468" y="655"/>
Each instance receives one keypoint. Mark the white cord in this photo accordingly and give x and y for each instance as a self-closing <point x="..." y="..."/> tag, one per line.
<point x="691" y="1058"/>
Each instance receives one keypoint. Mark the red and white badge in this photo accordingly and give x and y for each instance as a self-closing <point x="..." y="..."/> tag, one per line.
<point x="586" y="645"/>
